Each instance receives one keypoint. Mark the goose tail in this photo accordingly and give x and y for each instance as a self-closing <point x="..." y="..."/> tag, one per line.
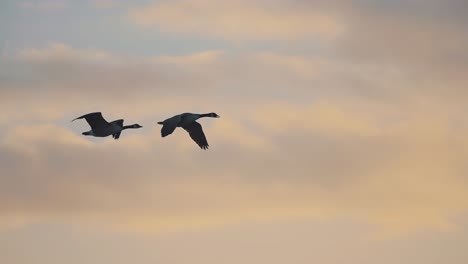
<point x="161" y="123"/>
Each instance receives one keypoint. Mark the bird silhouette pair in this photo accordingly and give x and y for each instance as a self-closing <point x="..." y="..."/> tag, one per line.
<point x="101" y="128"/>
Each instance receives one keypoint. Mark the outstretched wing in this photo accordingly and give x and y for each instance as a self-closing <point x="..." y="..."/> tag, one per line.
<point x="169" y="125"/>
<point x="95" y="120"/>
<point x="196" y="133"/>
<point x="119" y="122"/>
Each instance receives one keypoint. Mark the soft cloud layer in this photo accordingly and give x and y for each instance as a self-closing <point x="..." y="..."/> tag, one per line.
<point x="237" y="20"/>
<point x="322" y="158"/>
<point x="68" y="77"/>
<point x="341" y="122"/>
<point x="384" y="38"/>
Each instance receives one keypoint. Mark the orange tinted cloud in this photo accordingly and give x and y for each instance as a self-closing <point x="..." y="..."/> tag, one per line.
<point x="235" y="20"/>
<point x="399" y="178"/>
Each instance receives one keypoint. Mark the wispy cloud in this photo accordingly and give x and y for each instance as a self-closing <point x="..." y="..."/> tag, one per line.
<point x="240" y="20"/>
<point x="371" y="126"/>
<point x="335" y="153"/>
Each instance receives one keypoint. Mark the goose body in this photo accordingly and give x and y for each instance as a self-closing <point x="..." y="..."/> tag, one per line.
<point x="188" y="121"/>
<point x="101" y="128"/>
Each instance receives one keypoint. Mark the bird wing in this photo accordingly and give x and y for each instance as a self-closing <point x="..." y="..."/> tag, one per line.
<point x="169" y="125"/>
<point x="95" y="120"/>
<point x="119" y="123"/>
<point x="196" y="133"/>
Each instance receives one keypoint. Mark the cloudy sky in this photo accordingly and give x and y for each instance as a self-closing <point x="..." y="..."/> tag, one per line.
<point x="342" y="137"/>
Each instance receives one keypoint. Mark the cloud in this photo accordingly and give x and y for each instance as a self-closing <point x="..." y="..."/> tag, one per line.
<point x="61" y="69"/>
<point x="240" y="20"/>
<point x="407" y="176"/>
<point x="69" y="76"/>
<point x="387" y="40"/>
<point x="338" y="118"/>
<point x="60" y="51"/>
<point x="299" y="137"/>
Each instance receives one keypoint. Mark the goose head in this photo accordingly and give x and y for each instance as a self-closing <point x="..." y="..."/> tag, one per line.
<point x="213" y="115"/>
<point x="135" y="126"/>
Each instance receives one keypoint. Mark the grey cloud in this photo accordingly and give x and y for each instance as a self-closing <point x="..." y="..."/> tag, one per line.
<point x="303" y="170"/>
<point x="78" y="74"/>
<point x="382" y="70"/>
<point x="417" y="48"/>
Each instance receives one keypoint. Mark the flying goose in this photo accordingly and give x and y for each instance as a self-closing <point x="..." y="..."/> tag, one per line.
<point x="188" y="122"/>
<point x="101" y="128"/>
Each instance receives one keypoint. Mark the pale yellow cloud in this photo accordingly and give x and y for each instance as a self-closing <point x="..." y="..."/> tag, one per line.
<point x="418" y="179"/>
<point x="399" y="178"/>
<point x="201" y="58"/>
<point x="341" y="121"/>
<point x="294" y="141"/>
<point x="72" y="75"/>
<point x="303" y="68"/>
<point x="236" y="20"/>
<point x="60" y="51"/>
<point x="322" y="117"/>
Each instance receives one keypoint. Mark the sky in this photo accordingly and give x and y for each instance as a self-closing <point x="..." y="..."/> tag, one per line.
<point x="342" y="137"/>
